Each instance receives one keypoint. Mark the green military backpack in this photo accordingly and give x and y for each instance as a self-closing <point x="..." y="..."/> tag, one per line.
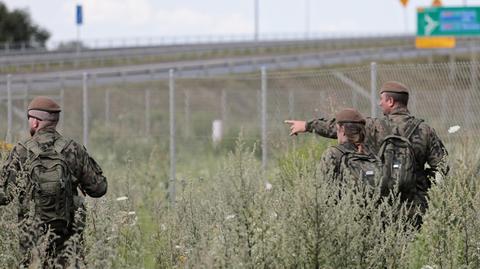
<point x="363" y="168"/>
<point x="51" y="179"/>
<point x="398" y="158"/>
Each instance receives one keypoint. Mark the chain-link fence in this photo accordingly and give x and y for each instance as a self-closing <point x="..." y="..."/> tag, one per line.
<point x="192" y="119"/>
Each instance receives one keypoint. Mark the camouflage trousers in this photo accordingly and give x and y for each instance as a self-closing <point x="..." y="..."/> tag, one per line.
<point x="54" y="244"/>
<point x="51" y="246"/>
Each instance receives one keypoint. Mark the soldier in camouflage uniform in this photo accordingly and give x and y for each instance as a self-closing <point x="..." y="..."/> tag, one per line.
<point x="350" y="132"/>
<point x="427" y="146"/>
<point x="43" y="115"/>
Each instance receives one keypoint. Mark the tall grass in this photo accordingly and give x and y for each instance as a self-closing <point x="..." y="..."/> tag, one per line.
<point x="237" y="216"/>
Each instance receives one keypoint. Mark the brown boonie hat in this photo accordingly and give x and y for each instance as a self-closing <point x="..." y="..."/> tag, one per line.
<point x="394" y="86"/>
<point x="349" y="115"/>
<point x="43" y="103"/>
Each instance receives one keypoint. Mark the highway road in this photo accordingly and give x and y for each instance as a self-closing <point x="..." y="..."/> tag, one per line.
<point x="224" y="66"/>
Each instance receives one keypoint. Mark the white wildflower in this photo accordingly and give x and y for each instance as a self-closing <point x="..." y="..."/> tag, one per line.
<point x="453" y="129"/>
<point x="268" y="186"/>
<point x="122" y="198"/>
<point x="134" y="221"/>
<point x="229" y="217"/>
<point x="178" y="247"/>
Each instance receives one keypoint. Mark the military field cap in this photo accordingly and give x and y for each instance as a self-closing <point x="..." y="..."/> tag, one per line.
<point x="349" y="115"/>
<point x="394" y="86"/>
<point x="43" y="103"/>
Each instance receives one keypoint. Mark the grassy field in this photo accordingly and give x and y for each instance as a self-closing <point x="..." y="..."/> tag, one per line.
<point x="232" y="215"/>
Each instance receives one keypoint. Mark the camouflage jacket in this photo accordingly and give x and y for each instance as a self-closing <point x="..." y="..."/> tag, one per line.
<point x="330" y="162"/>
<point x="428" y="147"/>
<point x="85" y="170"/>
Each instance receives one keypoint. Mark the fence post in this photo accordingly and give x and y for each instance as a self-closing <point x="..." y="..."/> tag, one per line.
<point x="223" y="107"/>
<point x="172" y="137"/>
<point x="147" y="112"/>
<point x="291" y="104"/>
<point x="445" y="110"/>
<point x="187" y="111"/>
<point x="413" y="102"/>
<point x="354" y="100"/>
<point x="9" y="109"/>
<point x="62" y="103"/>
<point x="466" y="108"/>
<point x="473" y="70"/>
<point x="25" y="101"/>
<point x="107" y="107"/>
<point x="85" y="109"/>
<point x="373" y="89"/>
<point x="264" y="118"/>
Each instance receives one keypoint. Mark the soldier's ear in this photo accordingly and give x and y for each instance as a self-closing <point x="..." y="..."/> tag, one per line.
<point x="390" y="101"/>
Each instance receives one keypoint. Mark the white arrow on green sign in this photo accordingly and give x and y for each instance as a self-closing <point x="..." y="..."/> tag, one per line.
<point x="448" y="21"/>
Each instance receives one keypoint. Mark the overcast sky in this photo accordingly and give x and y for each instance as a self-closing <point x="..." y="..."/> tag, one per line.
<point x="104" y="19"/>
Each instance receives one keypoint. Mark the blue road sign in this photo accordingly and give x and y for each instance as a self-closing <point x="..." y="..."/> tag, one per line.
<point x="79" y="15"/>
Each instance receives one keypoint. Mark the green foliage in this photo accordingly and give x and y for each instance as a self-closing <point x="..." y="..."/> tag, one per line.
<point x="451" y="232"/>
<point x="300" y="161"/>
<point x="237" y="216"/>
<point x="16" y="27"/>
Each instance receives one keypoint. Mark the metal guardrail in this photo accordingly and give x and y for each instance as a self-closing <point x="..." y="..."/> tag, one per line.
<point x="101" y="56"/>
<point x="154" y="41"/>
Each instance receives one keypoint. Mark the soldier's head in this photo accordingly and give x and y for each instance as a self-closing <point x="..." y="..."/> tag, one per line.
<point x="350" y="126"/>
<point x="393" y="95"/>
<point x="42" y="113"/>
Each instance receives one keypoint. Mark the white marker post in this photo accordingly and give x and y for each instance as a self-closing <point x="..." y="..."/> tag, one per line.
<point x="217" y="132"/>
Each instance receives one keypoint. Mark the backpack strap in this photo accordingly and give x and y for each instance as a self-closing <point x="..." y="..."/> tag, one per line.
<point x="32" y="145"/>
<point x="412" y="126"/>
<point x="60" y="144"/>
<point x="340" y="154"/>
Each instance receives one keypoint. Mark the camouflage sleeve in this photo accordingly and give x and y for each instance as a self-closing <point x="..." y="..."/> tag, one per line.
<point x="86" y="170"/>
<point x="324" y="127"/>
<point x="437" y="157"/>
<point x="374" y="133"/>
<point x="8" y="180"/>
<point x="329" y="164"/>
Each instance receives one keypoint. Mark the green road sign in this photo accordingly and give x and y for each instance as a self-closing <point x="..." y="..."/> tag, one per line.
<point x="448" y="21"/>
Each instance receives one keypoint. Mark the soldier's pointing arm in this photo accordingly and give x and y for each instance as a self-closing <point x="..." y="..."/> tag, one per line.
<point x="325" y="127"/>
